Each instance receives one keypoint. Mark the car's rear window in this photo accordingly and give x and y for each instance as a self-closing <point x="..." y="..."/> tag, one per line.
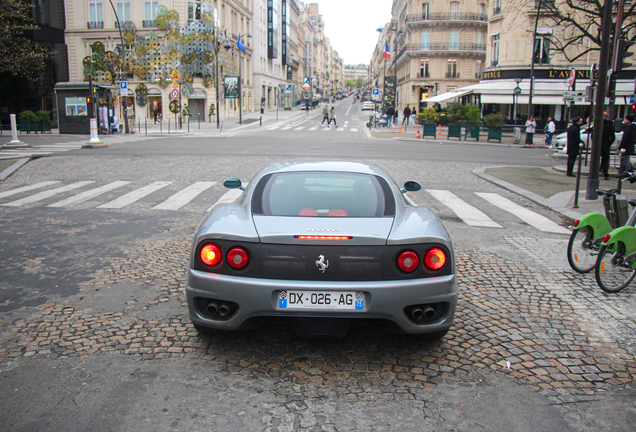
<point x="307" y="194"/>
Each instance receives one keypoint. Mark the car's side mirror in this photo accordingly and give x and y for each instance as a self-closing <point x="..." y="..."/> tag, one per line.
<point x="233" y="183"/>
<point x="411" y="186"/>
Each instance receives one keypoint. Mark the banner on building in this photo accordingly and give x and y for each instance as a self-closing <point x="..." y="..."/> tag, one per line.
<point x="231" y="87"/>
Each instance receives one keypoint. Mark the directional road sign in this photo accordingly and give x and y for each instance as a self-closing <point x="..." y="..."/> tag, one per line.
<point x="574" y="96"/>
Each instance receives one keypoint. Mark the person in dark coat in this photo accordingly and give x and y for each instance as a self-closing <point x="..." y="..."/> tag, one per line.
<point x="407" y="114"/>
<point x="627" y="143"/>
<point x="155" y="112"/>
<point x="609" y="136"/>
<point x="574" y="141"/>
<point x="390" y="112"/>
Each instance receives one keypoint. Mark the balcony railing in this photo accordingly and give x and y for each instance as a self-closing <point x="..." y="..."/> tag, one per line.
<point x="446" y="16"/>
<point x="148" y="23"/>
<point x="447" y="47"/>
<point x="424" y="75"/>
<point x="95" y="24"/>
<point x="452" y="75"/>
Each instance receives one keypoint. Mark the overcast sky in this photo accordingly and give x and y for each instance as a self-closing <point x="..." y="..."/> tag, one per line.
<point x="351" y="26"/>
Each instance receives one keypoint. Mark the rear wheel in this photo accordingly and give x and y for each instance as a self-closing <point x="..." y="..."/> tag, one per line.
<point x="581" y="254"/>
<point x="611" y="271"/>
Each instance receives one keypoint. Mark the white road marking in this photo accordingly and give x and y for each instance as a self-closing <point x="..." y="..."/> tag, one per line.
<point x="134" y="196"/>
<point x="300" y="128"/>
<point x="340" y="129"/>
<point x="85" y="196"/>
<point x="469" y="214"/>
<point x="273" y="128"/>
<point x="354" y="129"/>
<point x="26" y="188"/>
<point x="47" y="194"/>
<point x="313" y="128"/>
<point x="228" y="197"/>
<point x="541" y="223"/>
<point x="184" y="196"/>
<point x="326" y="128"/>
<point x="286" y="128"/>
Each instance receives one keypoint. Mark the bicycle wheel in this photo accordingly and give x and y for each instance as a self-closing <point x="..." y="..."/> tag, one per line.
<point x="611" y="271"/>
<point x="581" y="254"/>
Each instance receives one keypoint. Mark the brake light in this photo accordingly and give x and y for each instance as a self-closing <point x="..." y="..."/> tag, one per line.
<point x="312" y="237"/>
<point x="211" y="254"/>
<point x="237" y="258"/>
<point x="606" y="238"/>
<point x="576" y="223"/>
<point x="408" y="261"/>
<point x="434" y="258"/>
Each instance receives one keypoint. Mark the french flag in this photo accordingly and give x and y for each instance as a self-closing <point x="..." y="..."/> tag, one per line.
<point x="387" y="52"/>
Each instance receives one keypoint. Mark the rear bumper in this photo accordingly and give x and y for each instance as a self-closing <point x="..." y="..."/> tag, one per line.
<point x="384" y="300"/>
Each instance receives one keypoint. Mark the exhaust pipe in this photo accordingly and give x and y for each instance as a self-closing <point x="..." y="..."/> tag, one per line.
<point x="429" y="311"/>
<point x="212" y="307"/>
<point x="224" y="309"/>
<point x="417" y="313"/>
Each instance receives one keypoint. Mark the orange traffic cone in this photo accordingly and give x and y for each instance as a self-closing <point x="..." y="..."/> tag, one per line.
<point x="417" y="135"/>
<point x="400" y="129"/>
<point x="439" y="130"/>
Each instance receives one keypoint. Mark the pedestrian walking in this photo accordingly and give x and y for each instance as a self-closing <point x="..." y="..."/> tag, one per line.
<point x="332" y="117"/>
<point x="390" y="112"/>
<point x="413" y="115"/>
<point x="627" y="143"/>
<point x="549" y="133"/>
<point x="325" y="115"/>
<point x="155" y="110"/>
<point x="609" y="136"/>
<point x="396" y="113"/>
<point x="407" y="114"/>
<point x="574" y="141"/>
<point x="531" y="128"/>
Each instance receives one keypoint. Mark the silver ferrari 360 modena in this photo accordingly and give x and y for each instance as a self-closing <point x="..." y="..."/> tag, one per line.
<point x="322" y="245"/>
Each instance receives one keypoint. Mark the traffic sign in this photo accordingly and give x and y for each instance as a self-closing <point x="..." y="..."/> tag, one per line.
<point x="175" y="84"/>
<point x="572" y="78"/>
<point x="123" y="88"/>
<point x="574" y="96"/>
<point x="632" y="99"/>
<point x="174" y="93"/>
<point x="175" y="75"/>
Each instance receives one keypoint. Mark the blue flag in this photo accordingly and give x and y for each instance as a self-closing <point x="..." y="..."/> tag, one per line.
<point x="240" y="45"/>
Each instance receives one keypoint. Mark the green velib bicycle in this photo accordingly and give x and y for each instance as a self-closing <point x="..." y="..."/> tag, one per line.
<point x="616" y="263"/>
<point x="585" y="241"/>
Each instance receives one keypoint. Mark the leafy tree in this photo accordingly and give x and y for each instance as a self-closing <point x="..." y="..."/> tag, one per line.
<point x="20" y="55"/>
<point x="577" y="24"/>
<point x="358" y="82"/>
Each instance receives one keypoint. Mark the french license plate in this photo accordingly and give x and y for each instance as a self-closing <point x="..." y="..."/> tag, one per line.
<point x="352" y="300"/>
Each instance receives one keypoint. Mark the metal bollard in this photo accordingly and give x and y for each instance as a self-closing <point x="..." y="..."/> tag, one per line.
<point x="188" y="124"/>
<point x="146" y="126"/>
<point x="168" y="126"/>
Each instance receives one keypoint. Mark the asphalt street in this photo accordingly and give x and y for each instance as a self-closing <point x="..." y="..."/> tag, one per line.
<point x="94" y="332"/>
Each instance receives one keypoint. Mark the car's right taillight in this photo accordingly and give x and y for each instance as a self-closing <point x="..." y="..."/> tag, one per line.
<point x="211" y="254"/>
<point x="237" y="258"/>
<point x="434" y="258"/>
<point x="408" y="261"/>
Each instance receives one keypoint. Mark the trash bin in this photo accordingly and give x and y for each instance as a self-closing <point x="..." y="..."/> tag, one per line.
<point x="517" y="135"/>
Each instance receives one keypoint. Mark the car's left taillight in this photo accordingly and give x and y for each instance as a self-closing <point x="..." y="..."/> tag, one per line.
<point x="211" y="254"/>
<point x="408" y="261"/>
<point x="237" y="258"/>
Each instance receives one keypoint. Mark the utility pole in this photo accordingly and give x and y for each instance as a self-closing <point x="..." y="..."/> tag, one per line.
<point x="597" y="137"/>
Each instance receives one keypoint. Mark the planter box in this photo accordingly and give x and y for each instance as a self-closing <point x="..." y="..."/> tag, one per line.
<point x="27" y="126"/>
<point x="43" y="126"/>
<point x="472" y="131"/>
<point x="429" y="129"/>
<point x="495" y="132"/>
<point x="455" y="130"/>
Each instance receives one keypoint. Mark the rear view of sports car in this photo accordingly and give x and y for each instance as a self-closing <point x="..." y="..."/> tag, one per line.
<point x="322" y="245"/>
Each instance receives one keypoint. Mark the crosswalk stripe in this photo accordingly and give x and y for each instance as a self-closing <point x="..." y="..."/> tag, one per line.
<point x="273" y="128"/>
<point x="286" y="128"/>
<point x="536" y="220"/>
<point x="227" y="197"/>
<point x="47" y="194"/>
<point x="184" y="196"/>
<point x="326" y="129"/>
<point x="313" y="128"/>
<point x="462" y="209"/>
<point x="340" y="129"/>
<point x="354" y="129"/>
<point x="85" y="196"/>
<point x="134" y="196"/>
<point x="300" y="128"/>
<point x="27" y="188"/>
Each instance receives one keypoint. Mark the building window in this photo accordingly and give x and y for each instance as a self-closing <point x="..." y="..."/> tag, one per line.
<point x="497" y="7"/>
<point x="542" y="49"/>
<point x="452" y="69"/>
<point x="426" y="11"/>
<point x="482" y="11"/>
<point x="150" y="10"/>
<point x="480" y="40"/>
<point x="424" y="72"/>
<point x="478" y="72"/>
<point x="123" y="11"/>
<point x="426" y="39"/>
<point x="495" y="49"/>
<point x="194" y="11"/>
<point x="454" y="10"/>
<point x="42" y="13"/>
<point x="453" y="40"/>
<point x="96" y="18"/>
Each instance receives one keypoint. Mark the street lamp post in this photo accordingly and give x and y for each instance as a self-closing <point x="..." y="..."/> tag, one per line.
<point x="240" y="89"/>
<point x="515" y="95"/>
<point x="123" y="65"/>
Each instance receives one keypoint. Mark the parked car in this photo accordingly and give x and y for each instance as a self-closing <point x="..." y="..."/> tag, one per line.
<point x="322" y="245"/>
<point x="368" y="106"/>
<point x="562" y="138"/>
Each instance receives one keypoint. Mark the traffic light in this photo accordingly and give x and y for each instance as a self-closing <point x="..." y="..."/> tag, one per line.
<point x="88" y="100"/>
<point x="622" y="53"/>
<point x="633" y="107"/>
